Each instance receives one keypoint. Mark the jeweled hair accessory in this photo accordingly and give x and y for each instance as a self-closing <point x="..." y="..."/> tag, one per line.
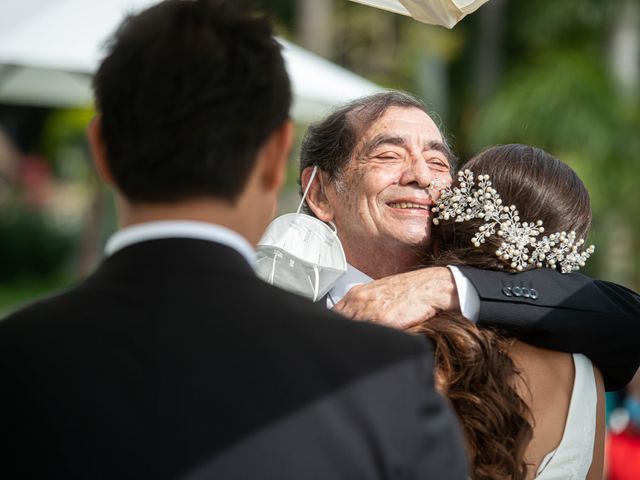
<point x="521" y="246"/>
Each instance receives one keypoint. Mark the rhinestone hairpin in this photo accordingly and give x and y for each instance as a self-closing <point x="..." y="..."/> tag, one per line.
<point x="521" y="243"/>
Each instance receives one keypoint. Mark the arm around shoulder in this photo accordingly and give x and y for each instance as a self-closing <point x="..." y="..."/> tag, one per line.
<point x="565" y="312"/>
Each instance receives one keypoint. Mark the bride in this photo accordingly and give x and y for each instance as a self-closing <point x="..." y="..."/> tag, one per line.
<point x="526" y="412"/>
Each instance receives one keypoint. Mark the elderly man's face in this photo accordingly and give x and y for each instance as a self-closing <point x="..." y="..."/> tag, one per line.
<point x="382" y="196"/>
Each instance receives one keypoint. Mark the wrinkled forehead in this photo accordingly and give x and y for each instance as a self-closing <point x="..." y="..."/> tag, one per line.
<point x="409" y="123"/>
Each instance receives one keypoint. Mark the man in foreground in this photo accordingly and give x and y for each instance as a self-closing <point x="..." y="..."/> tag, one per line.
<point x="173" y="360"/>
<point x="377" y="157"/>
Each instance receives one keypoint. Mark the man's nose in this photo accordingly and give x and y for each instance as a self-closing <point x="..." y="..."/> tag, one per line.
<point x="416" y="170"/>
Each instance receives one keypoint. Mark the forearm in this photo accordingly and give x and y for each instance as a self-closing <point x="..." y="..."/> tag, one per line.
<point x="403" y="300"/>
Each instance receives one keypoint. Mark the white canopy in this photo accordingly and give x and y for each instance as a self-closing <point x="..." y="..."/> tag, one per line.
<point x="445" y="13"/>
<point x="50" y="48"/>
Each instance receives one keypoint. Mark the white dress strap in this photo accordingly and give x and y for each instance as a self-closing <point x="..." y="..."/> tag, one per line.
<point x="572" y="458"/>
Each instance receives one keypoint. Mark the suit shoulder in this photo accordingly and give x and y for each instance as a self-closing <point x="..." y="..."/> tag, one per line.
<point x="38" y="313"/>
<point x="335" y="329"/>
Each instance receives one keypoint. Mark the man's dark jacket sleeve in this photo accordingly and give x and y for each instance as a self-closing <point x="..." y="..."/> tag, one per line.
<point x="570" y="313"/>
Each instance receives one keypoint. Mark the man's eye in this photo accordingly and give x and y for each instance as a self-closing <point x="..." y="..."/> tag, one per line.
<point x="439" y="163"/>
<point x="388" y="156"/>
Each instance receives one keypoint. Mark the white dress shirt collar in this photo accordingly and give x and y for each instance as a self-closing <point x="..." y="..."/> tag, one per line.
<point x="180" y="229"/>
<point x="350" y="279"/>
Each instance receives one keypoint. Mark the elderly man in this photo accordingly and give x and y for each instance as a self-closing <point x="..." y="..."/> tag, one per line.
<point x="376" y="157"/>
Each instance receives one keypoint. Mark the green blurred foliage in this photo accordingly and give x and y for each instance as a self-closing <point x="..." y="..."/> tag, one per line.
<point x="64" y="143"/>
<point x="31" y="247"/>
<point x="37" y="253"/>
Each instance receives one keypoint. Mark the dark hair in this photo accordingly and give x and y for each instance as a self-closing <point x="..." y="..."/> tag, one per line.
<point x="331" y="142"/>
<point x="475" y="372"/>
<point x="188" y="92"/>
<point x="474" y="366"/>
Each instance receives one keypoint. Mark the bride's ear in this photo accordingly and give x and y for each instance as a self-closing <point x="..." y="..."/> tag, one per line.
<point x="317" y="199"/>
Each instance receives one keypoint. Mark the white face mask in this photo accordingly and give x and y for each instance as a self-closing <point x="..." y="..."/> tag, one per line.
<point x="300" y="253"/>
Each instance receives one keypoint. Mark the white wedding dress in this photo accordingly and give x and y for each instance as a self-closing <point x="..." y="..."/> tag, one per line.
<point x="572" y="459"/>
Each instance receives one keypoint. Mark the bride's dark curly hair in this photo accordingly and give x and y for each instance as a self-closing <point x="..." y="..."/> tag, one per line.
<point x="473" y="366"/>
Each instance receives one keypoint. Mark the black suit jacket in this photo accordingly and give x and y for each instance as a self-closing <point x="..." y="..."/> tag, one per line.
<point x="174" y="361"/>
<point x="570" y="313"/>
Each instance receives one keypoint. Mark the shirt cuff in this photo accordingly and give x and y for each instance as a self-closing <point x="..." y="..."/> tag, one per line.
<point x="467" y="295"/>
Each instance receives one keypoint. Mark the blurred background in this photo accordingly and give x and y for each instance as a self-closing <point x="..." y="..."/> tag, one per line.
<point x="564" y="76"/>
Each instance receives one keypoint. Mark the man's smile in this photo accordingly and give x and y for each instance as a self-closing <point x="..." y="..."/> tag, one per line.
<point x="411" y="206"/>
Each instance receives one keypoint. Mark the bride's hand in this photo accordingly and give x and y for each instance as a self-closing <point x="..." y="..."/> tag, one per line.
<point x="404" y="300"/>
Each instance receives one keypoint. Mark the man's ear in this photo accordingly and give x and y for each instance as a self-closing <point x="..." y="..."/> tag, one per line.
<point x="274" y="155"/>
<point x="316" y="196"/>
<point x="99" y="149"/>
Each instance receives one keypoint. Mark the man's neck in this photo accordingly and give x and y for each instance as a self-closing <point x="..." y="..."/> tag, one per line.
<point x="384" y="262"/>
<point x="198" y="210"/>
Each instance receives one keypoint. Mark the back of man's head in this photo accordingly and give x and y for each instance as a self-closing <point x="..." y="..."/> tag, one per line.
<point x="188" y="93"/>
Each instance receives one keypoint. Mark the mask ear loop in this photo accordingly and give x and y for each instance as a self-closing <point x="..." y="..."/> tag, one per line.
<point x="304" y="197"/>
<point x="316" y="286"/>
<point x="273" y="268"/>
<point x="306" y="190"/>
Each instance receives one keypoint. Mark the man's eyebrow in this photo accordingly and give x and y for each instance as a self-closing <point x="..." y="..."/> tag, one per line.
<point x="442" y="148"/>
<point x="382" y="139"/>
